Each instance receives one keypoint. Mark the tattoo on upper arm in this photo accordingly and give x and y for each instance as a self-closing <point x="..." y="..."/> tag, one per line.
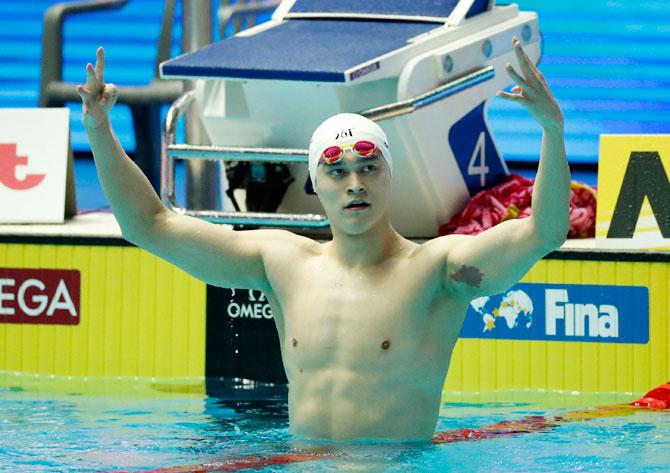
<point x="470" y="275"/>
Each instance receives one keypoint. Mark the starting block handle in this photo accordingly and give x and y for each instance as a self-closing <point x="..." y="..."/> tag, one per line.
<point x="258" y="218"/>
<point x="230" y="153"/>
<point x="171" y="151"/>
<point x="437" y="94"/>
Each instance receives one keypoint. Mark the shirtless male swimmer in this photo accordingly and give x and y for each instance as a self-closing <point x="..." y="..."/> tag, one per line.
<point x="367" y="322"/>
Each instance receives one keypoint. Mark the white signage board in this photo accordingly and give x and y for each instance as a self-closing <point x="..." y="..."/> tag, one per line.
<point x="33" y="164"/>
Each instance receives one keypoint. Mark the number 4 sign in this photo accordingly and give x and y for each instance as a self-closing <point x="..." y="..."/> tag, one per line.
<point x="478" y="159"/>
<point x="477" y="165"/>
<point x="36" y="169"/>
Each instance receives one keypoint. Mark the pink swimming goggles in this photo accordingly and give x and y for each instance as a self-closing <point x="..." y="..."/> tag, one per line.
<point x="360" y="149"/>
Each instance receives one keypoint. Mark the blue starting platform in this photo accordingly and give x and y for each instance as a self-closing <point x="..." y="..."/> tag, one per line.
<point x="300" y="50"/>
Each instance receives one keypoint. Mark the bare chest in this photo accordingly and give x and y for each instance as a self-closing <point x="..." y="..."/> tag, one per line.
<point x="365" y="322"/>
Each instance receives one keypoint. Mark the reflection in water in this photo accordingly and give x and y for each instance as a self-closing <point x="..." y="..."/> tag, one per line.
<point x="134" y="430"/>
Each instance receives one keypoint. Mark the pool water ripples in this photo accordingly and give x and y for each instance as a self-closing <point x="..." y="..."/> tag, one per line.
<point x="43" y="433"/>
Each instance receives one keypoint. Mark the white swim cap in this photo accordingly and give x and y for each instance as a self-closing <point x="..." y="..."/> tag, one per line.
<point x="346" y="128"/>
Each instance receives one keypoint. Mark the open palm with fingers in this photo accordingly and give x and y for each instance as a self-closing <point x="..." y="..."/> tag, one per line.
<point x="97" y="97"/>
<point x="532" y="91"/>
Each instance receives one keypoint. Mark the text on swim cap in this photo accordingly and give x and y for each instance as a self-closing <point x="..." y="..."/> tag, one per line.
<point x="343" y="133"/>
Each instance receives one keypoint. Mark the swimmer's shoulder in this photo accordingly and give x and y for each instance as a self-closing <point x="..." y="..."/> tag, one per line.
<point x="442" y="246"/>
<point x="283" y="243"/>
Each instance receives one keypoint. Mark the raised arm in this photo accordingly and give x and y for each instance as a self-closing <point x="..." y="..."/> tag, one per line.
<point x="497" y="258"/>
<point x="214" y="254"/>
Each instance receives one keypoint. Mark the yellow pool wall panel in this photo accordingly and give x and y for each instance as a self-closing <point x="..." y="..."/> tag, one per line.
<point x="139" y="316"/>
<point x="479" y="365"/>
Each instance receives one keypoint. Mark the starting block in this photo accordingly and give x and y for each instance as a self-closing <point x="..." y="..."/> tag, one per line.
<point x="424" y="70"/>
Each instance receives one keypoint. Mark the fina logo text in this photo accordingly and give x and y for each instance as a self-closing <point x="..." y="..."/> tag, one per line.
<point x="562" y="312"/>
<point x="579" y="320"/>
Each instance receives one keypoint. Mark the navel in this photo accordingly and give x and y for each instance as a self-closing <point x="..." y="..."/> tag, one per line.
<point x="386" y="344"/>
<point x="295" y="342"/>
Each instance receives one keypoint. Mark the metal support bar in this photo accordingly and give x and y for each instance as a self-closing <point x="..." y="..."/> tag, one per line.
<point x="453" y="87"/>
<point x="203" y="178"/>
<point x="266" y="155"/>
<point x="172" y="151"/>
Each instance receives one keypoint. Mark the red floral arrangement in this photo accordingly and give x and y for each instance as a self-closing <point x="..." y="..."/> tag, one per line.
<point x="512" y="199"/>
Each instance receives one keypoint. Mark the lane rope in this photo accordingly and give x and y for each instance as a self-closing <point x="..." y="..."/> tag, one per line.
<point x="656" y="399"/>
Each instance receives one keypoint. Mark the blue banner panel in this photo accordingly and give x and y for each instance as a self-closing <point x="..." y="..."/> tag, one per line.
<point x="562" y="312"/>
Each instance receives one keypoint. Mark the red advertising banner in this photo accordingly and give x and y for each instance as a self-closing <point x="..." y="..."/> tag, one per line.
<point x="39" y="296"/>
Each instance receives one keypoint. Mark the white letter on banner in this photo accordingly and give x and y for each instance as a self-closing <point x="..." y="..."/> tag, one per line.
<point x="6" y="296"/>
<point x="554" y="311"/>
<point x="247" y="311"/>
<point x="62" y="292"/>
<point x="569" y="312"/>
<point x="609" y="321"/>
<point x="233" y="313"/>
<point x="42" y="300"/>
<point x="257" y="311"/>
<point x="581" y="312"/>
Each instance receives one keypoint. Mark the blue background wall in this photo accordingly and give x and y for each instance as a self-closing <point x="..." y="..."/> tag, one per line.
<point x="607" y="61"/>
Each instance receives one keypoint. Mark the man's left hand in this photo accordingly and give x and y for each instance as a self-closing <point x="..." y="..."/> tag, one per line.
<point x="532" y="91"/>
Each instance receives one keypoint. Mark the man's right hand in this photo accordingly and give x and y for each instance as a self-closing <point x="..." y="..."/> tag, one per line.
<point x="97" y="97"/>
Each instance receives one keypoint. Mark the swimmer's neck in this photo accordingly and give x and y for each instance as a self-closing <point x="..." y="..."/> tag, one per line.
<point x="371" y="247"/>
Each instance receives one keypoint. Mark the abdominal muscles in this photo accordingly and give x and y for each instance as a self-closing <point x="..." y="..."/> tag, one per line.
<point x="341" y="404"/>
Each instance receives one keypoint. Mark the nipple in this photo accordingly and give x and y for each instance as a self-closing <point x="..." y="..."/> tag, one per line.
<point x="386" y="344"/>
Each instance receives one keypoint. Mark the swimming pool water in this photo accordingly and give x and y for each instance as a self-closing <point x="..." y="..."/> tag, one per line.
<point x="78" y="428"/>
